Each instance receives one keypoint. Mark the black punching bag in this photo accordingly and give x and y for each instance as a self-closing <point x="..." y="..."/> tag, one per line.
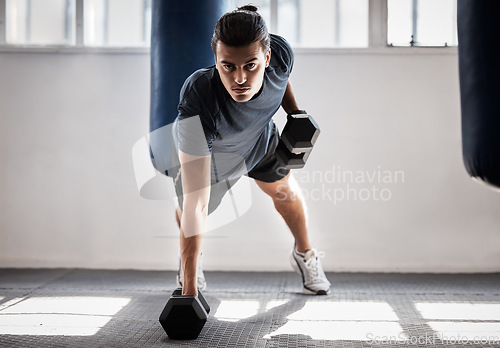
<point x="181" y="33"/>
<point x="479" y="67"/>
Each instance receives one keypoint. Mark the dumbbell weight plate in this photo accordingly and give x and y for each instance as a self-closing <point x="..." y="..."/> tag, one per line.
<point x="300" y="133"/>
<point x="291" y="160"/>
<point x="183" y="317"/>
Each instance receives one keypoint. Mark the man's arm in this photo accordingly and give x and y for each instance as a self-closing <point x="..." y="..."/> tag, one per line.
<point x="196" y="195"/>
<point x="289" y="103"/>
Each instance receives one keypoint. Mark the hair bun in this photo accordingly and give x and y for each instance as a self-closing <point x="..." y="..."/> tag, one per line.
<point x="248" y="7"/>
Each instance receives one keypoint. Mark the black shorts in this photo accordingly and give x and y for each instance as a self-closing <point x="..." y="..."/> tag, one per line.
<point x="268" y="169"/>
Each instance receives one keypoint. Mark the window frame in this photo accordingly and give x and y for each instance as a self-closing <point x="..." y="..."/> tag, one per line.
<point x="377" y="37"/>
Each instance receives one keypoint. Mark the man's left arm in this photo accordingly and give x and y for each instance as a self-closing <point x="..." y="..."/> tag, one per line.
<point x="289" y="103"/>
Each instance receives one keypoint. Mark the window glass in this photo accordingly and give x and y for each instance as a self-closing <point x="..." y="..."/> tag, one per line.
<point x="324" y="23"/>
<point x="117" y="22"/>
<point x="35" y="22"/>
<point x="422" y="22"/>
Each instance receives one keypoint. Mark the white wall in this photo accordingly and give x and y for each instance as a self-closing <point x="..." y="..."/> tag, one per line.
<point x="69" y="198"/>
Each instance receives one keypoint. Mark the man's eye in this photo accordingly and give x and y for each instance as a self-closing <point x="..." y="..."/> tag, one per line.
<point x="228" y="67"/>
<point x="251" y="65"/>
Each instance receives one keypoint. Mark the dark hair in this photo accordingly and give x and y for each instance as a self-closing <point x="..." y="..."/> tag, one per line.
<point x="241" y="27"/>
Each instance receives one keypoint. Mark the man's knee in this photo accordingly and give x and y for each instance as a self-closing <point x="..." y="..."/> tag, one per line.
<point x="284" y="193"/>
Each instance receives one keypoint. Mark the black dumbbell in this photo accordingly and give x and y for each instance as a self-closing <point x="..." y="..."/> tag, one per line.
<point x="183" y="317"/>
<point x="297" y="139"/>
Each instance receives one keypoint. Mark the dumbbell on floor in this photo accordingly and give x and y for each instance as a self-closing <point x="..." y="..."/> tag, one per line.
<point x="297" y="139"/>
<point x="184" y="316"/>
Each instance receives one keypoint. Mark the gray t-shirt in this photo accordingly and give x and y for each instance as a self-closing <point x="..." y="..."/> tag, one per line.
<point x="235" y="134"/>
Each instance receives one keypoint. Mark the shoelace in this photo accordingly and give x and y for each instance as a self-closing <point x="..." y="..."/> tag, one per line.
<point x="312" y="266"/>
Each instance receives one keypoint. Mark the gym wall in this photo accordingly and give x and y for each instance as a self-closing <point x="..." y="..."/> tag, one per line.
<point x="69" y="197"/>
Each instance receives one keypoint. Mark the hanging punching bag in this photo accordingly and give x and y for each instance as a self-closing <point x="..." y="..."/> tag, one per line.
<point x="479" y="68"/>
<point x="181" y="32"/>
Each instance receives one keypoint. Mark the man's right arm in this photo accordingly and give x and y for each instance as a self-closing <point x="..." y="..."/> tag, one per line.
<point x="194" y="132"/>
<point x="196" y="195"/>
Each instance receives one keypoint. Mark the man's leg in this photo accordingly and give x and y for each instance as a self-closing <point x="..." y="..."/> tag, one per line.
<point x="289" y="202"/>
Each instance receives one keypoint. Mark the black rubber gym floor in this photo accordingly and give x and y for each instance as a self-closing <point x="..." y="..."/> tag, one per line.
<point x="98" y="308"/>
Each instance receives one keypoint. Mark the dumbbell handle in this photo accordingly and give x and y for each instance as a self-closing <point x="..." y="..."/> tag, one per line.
<point x="178" y="292"/>
<point x="298" y="112"/>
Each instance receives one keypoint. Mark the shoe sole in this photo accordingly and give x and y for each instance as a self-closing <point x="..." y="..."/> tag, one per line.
<point x="305" y="290"/>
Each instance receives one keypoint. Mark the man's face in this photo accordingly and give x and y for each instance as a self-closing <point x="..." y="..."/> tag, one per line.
<point x="241" y="69"/>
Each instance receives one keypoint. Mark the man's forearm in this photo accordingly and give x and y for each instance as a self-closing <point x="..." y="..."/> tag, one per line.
<point x="190" y="251"/>
<point x="193" y="223"/>
<point x="289" y="103"/>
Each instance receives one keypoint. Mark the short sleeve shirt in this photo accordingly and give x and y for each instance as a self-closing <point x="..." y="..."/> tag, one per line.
<point x="235" y="134"/>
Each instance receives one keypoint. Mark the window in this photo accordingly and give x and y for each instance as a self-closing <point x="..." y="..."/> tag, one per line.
<point x="324" y="23"/>
<point x="422" y="22"/>
<point x="304" y="23"/>
<point x="117" y="22"/>
<point x="35" y="22"/>
<point x="316" y="23"/>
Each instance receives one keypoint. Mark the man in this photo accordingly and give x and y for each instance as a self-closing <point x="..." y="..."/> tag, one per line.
<point x="228" y="109"/>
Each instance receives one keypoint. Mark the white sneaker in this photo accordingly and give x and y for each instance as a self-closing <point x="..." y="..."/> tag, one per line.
<point x="314" y="281"/>
<point x="201" y="283"/>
